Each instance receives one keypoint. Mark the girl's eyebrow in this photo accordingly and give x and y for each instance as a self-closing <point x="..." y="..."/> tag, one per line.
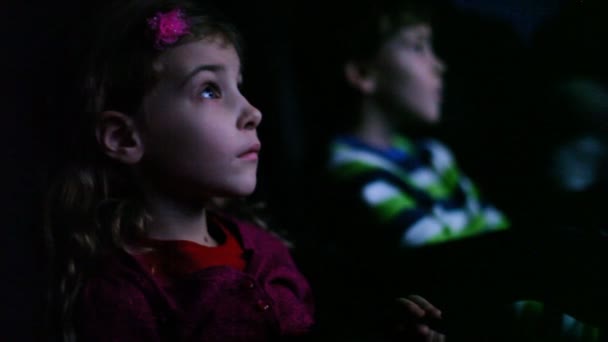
<point x="217" y="68"/>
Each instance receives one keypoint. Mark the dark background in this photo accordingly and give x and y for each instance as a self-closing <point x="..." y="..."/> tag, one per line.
<point x="502" y="117"/>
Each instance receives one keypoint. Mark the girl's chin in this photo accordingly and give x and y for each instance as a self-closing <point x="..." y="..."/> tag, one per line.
<point x="242" y="191"/>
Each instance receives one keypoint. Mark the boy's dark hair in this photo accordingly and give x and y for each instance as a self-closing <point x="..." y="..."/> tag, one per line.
<point x="362" y="28"/>
<point x="369" y="24"/>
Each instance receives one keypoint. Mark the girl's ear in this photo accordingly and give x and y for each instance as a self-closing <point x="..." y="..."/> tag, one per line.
<point x="118" y="137"/>
<point x="360" y="76"/>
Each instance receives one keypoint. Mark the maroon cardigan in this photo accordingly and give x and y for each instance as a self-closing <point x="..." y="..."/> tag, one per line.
<point x="269" y="300"/>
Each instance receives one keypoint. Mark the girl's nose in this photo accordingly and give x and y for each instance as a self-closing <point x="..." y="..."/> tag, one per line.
<point x="250" y="117"/>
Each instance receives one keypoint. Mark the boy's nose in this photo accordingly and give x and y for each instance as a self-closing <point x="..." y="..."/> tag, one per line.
<point x="439" y="65"/>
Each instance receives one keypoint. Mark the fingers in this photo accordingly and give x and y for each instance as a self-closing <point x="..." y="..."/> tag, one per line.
<point x="434" y="336"/>
<point x="423" y="330"/>
<point x="427" y="334"/>
<point x="425" y="305"/>
<point x="412" y="307"/>
<point x="420" y="317"/>
<point x="415" y="332"/>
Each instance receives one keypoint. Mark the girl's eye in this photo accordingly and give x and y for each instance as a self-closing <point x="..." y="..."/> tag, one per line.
<point x="210" y="92"/>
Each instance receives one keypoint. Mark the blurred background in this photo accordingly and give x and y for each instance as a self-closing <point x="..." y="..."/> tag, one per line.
<point x="525" y="111"/>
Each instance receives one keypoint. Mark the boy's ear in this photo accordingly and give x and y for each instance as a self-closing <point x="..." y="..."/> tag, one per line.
<point x="118" y="137"/>
<point x="360" y="76"/>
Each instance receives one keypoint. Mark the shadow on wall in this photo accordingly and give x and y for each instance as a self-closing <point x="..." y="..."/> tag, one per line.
<point x="32" y="35"/>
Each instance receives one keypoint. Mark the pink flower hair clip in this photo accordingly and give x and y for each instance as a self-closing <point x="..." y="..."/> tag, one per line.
<point x="168" y="27"/>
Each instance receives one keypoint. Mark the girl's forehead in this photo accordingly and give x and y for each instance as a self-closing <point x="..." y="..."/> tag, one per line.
<point x="211" y="53"/>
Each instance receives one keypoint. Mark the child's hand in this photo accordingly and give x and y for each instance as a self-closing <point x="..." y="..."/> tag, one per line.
<point x="416" y="317"/>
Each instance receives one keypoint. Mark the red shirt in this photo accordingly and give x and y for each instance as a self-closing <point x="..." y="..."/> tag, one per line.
<point x="170" y="259"/>
<point x="268" y="300"/>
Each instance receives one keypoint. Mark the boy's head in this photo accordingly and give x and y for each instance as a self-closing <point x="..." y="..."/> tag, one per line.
<point x="389" y="61"/>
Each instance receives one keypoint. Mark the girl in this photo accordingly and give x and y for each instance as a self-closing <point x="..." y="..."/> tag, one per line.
<point x="140" y="251"/>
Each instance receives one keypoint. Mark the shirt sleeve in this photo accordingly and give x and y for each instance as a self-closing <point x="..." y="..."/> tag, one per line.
<point x="429" y="204"/>
<point x="298" y="294"/>
<point x="116" y="310"/>
<point x="403" y="215"/>
<point x="288" y="288"/>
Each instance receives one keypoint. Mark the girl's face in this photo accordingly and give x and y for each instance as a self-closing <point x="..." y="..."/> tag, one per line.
<point x="409" y="76"/>
<point x="199" y="131"/>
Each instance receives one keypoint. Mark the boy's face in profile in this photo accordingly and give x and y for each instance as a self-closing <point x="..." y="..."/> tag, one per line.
<point x="408" y="75"/>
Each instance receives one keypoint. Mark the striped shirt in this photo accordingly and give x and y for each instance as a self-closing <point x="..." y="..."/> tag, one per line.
<point x="416" y="191"/>
<point x="415" y="188"/>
